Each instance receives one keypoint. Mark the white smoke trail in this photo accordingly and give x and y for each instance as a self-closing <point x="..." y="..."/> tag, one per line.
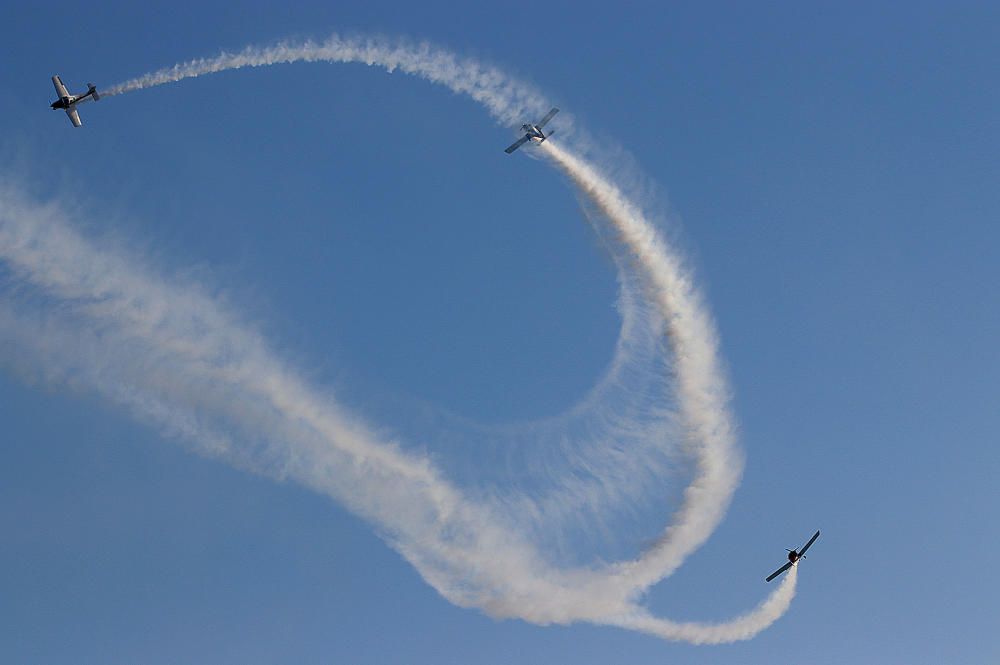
<point x="507" y="99"/>
<point x="703" y="393"/>
<point x="178" y="357"/>
<point x="740" y="628"/>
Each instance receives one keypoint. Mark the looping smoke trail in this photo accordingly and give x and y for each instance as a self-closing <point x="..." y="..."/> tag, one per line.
<point x="176" y="356"/>
<point x="740" y="628"/>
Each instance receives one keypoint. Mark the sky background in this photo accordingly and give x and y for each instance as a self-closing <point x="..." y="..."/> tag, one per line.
<point x="833" y="170"/>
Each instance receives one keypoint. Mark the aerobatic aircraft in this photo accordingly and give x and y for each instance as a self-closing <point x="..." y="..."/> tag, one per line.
<point x="68" y="102"/>
<point x="793" y="558"/>
<point x="533" y="132"/>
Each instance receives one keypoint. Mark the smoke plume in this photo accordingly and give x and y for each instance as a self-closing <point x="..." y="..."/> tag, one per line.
<point x="99" y="318"/>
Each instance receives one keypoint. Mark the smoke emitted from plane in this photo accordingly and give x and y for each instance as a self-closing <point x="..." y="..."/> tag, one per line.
<point x="508" y="100"/>
<point x="97" y="317"/>
<point x="740" y="628"/>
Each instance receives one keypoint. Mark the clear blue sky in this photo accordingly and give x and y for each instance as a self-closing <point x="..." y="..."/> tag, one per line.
<point x="834" y="168"/>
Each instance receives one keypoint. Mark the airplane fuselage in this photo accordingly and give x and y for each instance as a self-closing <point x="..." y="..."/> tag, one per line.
<point x="67" y="102"/>
<point x="793" y="558"/>
<point x="533" y="131"/>
<point x="70" y="101"/>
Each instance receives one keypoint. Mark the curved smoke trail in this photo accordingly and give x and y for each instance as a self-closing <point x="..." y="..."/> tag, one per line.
<point x="178" y="357"/>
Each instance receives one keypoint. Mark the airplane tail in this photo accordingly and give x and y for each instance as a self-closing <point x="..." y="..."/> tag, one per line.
<point x="93" y="91"/>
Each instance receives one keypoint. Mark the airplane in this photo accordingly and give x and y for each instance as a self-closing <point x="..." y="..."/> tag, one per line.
<point x="68" y="102"/>
<point x="793" y="557"/>
<point x="533" y="132"/>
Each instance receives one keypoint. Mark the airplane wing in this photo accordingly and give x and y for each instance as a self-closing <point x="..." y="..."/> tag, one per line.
<point x="807" y="545"/>
<point x="548" y="116"/>
<point x="778" y="571"/>
<point x="517" y="144"/>
<point x="74" y="116"/>
<point x="60" y="88"/>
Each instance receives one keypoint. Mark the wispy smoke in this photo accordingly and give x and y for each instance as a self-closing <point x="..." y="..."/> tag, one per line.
<point x="101" y="319"/>
<point x="740" y="628"/>
<point x="506" y="98"/>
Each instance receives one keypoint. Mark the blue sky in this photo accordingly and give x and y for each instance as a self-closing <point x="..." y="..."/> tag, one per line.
<point x="832" y="169"/>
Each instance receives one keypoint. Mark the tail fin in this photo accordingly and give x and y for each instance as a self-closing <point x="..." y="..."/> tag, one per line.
<point x="93" y="91"/>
